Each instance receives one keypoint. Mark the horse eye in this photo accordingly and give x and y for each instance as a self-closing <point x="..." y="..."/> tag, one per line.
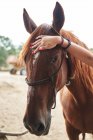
<point x="54" y="59"/>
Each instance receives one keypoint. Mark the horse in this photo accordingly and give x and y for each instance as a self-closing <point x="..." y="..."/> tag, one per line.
<point x="54" y="70"/>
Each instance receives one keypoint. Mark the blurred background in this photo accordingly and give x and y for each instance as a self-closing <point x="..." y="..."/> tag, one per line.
<point x="13" y="90"/>
<point x="78" y="19"/>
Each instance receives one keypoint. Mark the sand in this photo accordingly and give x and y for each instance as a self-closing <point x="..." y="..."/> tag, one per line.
<point x="13" y="92"/>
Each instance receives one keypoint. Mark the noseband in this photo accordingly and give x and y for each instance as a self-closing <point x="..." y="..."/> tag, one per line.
<point x="47" y="79"/>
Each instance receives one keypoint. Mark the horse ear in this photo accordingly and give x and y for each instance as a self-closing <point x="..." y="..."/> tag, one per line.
<point x="28" y="22"/>
<point x="58" y="17"/>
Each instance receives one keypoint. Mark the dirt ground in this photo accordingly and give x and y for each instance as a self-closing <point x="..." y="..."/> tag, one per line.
<point x="13" y="91"/>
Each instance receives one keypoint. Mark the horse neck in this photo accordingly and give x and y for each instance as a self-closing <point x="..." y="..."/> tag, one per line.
<point x="81" y="87"/>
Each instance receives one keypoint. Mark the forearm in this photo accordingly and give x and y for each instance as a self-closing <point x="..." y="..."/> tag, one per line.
<point x="49" y="42"/>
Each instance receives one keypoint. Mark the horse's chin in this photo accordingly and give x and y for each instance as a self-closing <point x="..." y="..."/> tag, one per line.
<point x="46" y="131"/>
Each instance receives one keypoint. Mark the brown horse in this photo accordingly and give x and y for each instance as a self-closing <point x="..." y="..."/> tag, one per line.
<point x="48" y="72"/>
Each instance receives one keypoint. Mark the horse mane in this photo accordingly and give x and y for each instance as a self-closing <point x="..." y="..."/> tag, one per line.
<point x="23" y="52"/>
<point x="81" y="69"/>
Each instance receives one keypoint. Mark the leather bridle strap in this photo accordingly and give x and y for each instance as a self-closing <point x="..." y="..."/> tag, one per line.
<point x="48" y="79"/>
<point x="45" y="80"/>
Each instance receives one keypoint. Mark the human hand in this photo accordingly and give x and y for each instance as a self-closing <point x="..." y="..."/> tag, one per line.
<point x="45" y="42"/>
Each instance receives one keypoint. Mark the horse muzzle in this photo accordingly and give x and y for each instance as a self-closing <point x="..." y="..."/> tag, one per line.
<point x="38" y="128"/>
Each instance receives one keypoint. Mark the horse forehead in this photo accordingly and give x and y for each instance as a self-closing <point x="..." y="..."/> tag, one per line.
<point x="36" y="55"/>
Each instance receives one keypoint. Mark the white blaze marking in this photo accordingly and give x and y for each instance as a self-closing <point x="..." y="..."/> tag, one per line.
<point x="35" y="57"/>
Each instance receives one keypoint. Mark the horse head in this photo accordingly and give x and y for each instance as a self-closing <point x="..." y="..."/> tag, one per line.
<point x="44" y="74"/>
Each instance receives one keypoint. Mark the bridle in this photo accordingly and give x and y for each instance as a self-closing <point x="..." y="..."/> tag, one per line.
<point x="48" y="79"/>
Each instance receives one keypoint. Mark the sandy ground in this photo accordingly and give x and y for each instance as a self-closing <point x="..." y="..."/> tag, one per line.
<point x="13" y="91"/>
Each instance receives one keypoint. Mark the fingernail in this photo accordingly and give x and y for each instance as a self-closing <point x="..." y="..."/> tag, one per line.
<point x="32" y="52"/>
<point x="31" y="46"/>
<point x="40" y="48"/>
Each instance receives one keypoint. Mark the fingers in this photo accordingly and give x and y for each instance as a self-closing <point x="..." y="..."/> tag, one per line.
<point x="39" y="48"/>
<point x="36" y="44"/>
<point x="35" y="51"/>
<point x="40" y="37"/>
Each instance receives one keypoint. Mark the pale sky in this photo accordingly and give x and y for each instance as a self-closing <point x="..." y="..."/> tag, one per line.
<point x="78" y="15"/>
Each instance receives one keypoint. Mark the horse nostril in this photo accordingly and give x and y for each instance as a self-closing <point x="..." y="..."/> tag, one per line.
<point x="40" y="127"/>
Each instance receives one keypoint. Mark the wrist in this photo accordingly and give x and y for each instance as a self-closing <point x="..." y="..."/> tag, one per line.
<point x="58" y="39"/>
<point x="65" y="43"/>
